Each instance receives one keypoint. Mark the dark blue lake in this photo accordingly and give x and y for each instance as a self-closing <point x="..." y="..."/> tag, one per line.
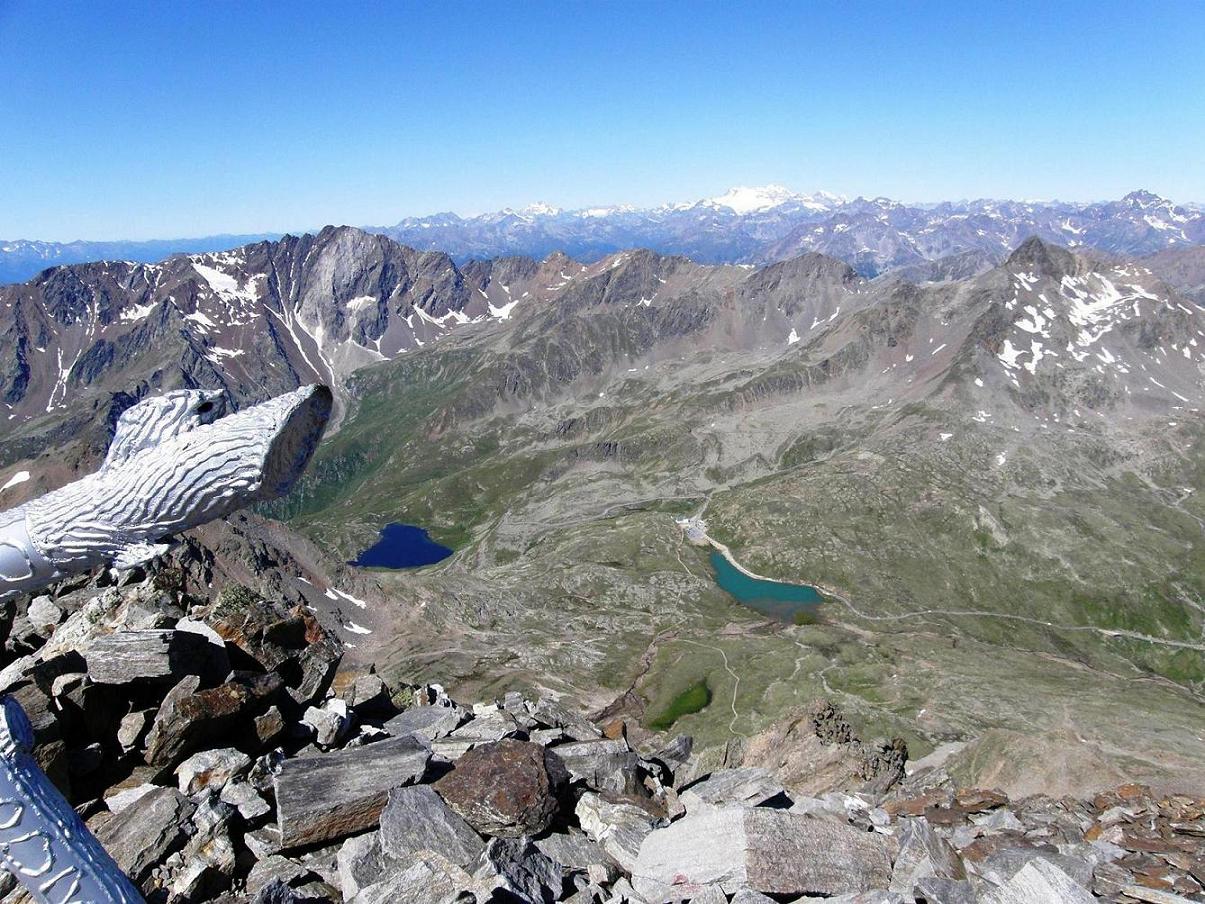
<point x="402" y="546"/>
<point x="773" y="598"/>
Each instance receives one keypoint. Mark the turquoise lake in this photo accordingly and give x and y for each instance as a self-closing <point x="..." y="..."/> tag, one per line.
<point x="772" y="598"/>
<point x="402" y="546"/>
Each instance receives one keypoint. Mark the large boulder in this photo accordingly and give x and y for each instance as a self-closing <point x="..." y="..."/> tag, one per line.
<point x="767" y="850"/>
<point x="504" y="789"/>
<point x="327" y="796"/>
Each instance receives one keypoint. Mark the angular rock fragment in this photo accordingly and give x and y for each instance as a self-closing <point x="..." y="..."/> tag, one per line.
<point x="945" y="891"/>
<point x="550" y="713"/>
<point x="211" y="769"/>
<point x="517" y="866"/>
<point x="504" y="789"/>
<point x="142" y="836"/>
<point x="208" y="859"/>
<point x="417" y="819"/>
<point x="767" y="850"/>
<point x="602" y="765"/>
<point x="619" y="828"/>
<point x="575" y="853"/>
<point x="429" y="879"/>
<point x="189" y="717"/>
<point x="328" y="722"/>
<point x="362" y="862"/>
<point x="125" y="657"/>
<point x="922" y="854"/>
<point x="431" y="721"/>
<point x="335" y="794"/>
<point x="749" y="786"/>
<point x="1038" y="882"/>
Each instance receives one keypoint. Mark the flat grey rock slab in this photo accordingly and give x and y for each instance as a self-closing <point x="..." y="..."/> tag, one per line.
<point x="128" y="656"/>
<point x="417" y="819"/>
<point x="767" y="850"/>
<point x="1038" y="882"/>
<point x="433" y="721"/>
<point x="619" y="829"/>
<point x="574" y="852"/>
<point x="749" y="786"/>
<point x="146" y="832"/>
<point x="429" y="879"/>
<point x="319" y="798"/>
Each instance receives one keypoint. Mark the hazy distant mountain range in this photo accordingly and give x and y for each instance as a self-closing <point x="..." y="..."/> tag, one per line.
<point x="745" y="225"/>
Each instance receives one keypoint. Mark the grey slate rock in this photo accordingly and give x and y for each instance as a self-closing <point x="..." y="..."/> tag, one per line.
<point x="574" y="852"/>
<point x="431" y="721"/>
<point x="142" y="836"/>
<point x="417" y="819"/>
<point x="430" y="879"/>
<point x="361" y="862"/>
<point x="749" y="786"/>
<point x="747" y="896"/>
<point x="244" y="798"/>
<point x="327" y="796"/>
<point x="619" y="828"/>
<point x="125" y="657"/>
<point x="1038" y="882"/>
<point x="922" y="854"/>
<point x="768" y="850"/>
<point x="602" y="764"/>
<point x="552" y="714"/>
<point x="712" y="894"/>
<point x="520" y="868"/>
<point x="275" y="868"/>
<point x="945" y="891"/>
<point x="277" y="892"/>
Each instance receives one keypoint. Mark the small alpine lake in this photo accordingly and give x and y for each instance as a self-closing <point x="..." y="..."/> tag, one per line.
<point x="785" y="602"/>
<point x="402" y="546"/>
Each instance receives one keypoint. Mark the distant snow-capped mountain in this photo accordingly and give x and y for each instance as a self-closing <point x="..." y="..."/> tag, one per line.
<point x="771" y="222"/>
<point x="744" y="225"/>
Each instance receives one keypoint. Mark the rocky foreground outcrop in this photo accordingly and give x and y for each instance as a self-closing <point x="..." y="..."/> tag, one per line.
<point x="216" y="752"/>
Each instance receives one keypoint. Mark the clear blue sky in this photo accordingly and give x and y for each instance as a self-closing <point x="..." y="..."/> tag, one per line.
<point x="164" y="119"/>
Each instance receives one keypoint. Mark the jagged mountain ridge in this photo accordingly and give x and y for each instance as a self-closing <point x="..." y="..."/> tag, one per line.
<point x="255" y="321"/>
<point x="762" y="225"/>
<point x="745" y="225"/>
<point x="22" y="259"/>
<point x="270" y="316"/>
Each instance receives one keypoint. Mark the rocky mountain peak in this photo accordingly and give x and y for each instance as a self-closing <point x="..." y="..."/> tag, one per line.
<point x="1038" y="256"/>
<point x="1143" y="199"/>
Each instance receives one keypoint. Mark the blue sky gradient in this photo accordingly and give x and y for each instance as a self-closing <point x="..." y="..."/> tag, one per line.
<point x="141" y="120"/>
